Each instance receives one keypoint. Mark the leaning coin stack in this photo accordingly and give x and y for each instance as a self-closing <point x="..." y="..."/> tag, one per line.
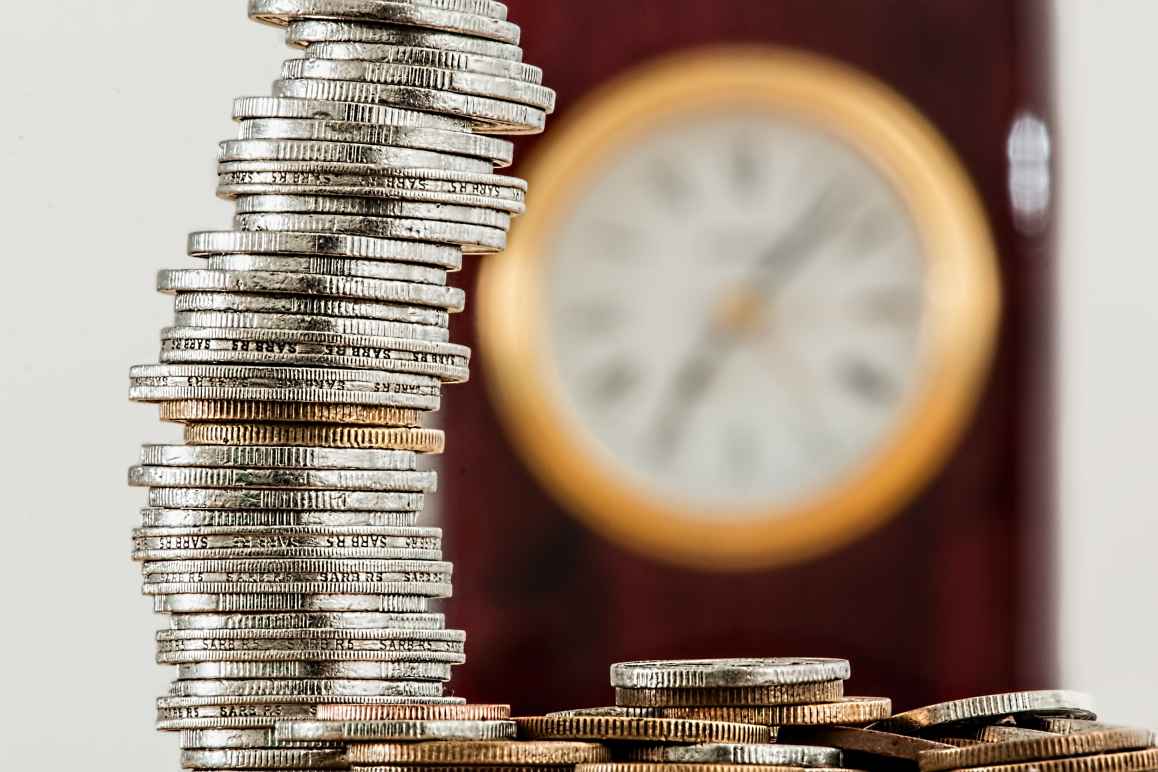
<point x="282" y="537"/>
<point x="1038" y="731"/>
<point x="702" y="715"/>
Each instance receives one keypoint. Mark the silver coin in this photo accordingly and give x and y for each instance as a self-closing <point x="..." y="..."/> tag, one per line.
<point x="331" y="654"/>
<point x="302" y="348"/>
<point x="243" y="601"/>
<point x="713" y="673"/>
<point x="208" y="739"/>
<point x="362" y="182"/>
<point x="378" y="671"/>
<point x="393" y="731"/>
<point x="761" y="754"/>
<point x="315" y="479"/>
<point x="191" y="518"/>
<point x="308" y="621"/>
<point x="427" y="57"/>
<point x="283" y="12"/>
<point x="332" y="266"/>
<point x="372" y="207"/>
<point x="278" y="456"/>
<point x="309" y="151"/>
<point x="400" y="568"/>
<point x="1047" y="702"/>
<point x="257" y="107"/>
<point x="206" y="243"/>
<point x="231" y="716"/>
<point x="280" y="759"/>
<point x="208" y="498"/>
<point x="484" y="186"/>
<point x="435" y="640"/>
<point x="210" y="538"/>
<point x="153" y="383"/>
<point x="458" y="81"/>
<point x="306" y="32"/>
<point x="257" y="690"/>
<point x="472" y="239"/>
<point x="326" y="324"/>
<point x="289" y="553"/>
<point x="489" y="115"/>
<point x="197" y="280"/>
<point x="303" y="305"/>
<point x="498" y="151"/>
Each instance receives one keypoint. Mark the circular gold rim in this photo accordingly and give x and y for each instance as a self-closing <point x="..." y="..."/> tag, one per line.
<point x="963" y="296"/>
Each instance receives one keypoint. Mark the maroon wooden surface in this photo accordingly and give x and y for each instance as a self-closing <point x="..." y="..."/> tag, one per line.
<point x="953" y="596"/>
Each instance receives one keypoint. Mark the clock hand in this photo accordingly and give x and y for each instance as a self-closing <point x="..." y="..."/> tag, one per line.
<point x="700" y="370"/>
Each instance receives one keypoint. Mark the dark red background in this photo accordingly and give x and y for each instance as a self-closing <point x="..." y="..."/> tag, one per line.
<point x="951" y="598"/>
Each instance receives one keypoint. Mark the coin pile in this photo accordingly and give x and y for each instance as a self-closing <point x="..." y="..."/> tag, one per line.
<point x="712" y="715"/>
<point x="1038" y="731"/>
<point x="283" y="536"/>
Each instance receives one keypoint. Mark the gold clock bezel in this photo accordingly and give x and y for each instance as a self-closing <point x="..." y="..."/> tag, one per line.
<point x="962" y="307"/>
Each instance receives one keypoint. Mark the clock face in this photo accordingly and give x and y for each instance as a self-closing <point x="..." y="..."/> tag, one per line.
<point x="748" y="312"/>
<point x="734" y="305"/>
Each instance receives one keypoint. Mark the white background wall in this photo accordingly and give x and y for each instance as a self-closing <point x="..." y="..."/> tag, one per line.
<point x="150" y="89"/>
<point x="1109" y="366"/>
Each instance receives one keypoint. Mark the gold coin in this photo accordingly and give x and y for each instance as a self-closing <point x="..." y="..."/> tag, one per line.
<point x="648" y="730"/>
<point x="847" y="710"/>
<point x="1004" y="745"/>
<point x="414" y="712"/>
<point x="868" y="741"/>
<point x="492" y="752"/>
<point x="321" y="436"/>
<point x="787" y="694"/>
<point x="1135" y="761"/>
<point x="287" y="412"/>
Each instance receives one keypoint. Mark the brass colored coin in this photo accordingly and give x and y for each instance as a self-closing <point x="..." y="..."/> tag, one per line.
<point x="416" y="440"/>
<point x="781" y="694"/>
<point x="848" y="710"/>
<point x="866" y="741"/>
<point x="466" y="712"/>
<point x="1006" y="745"/>
<point x="287" y="412"/>
<point x="641" y="766"/>
<point x="1052" y="703"/>
<point x="504" y="753"/>
<point x="648" y="730"/>
<point x="1134" y="761"/>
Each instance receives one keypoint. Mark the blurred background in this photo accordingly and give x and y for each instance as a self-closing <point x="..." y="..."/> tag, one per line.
<point x="956" y="191"/>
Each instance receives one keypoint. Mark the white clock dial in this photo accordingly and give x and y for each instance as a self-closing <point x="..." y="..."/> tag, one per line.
<point x="735" y="307"/>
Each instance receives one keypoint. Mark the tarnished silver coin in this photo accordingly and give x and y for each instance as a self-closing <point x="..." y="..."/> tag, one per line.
<point x="218" y="498"/>
<point x="206" y="243"/>
<point x="1061" y="703"/>
<point x="241" y="600"/>
<point x="306" y="479"/>
<point x="312" y="151"/>
<point x="490" y="115"/>
<point x="308" y="621"/>
<point x="426" y="57"/>
<point x="297" y="669"/>
<point x="302" y="305"/>
<point x="201" y="518"/>
<point x="472" y="238"/>
<point x="394" y="731"/>
<point x="499" y="152"/>
<point x="306" y="32"/>
<point x="713" y="673"/>
<point x="405" y="13"/>
<point x="370" y="328"/>
<point x="212" y="739"/>
<point x="768" y="754"/>
<point x="278" y="456"/>
<point x="254" y="690"/>
<point x="423" y="13"/>
<point x="285" y="282"/>
<point x="388" y="73"/>
<point x="352" y="206"/>
<point x="276" y="758"/>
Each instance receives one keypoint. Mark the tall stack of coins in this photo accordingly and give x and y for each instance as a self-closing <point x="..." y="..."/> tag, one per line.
<point x="282" y="537"/>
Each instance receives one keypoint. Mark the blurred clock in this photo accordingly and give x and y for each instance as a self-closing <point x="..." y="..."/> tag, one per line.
<point x="748" y="310"/>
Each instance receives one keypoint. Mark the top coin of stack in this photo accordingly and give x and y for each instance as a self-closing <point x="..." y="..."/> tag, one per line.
<point x="283" y="536"/>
